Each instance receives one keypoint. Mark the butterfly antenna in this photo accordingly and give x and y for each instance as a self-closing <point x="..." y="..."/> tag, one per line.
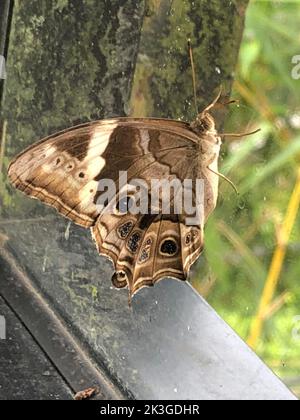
<point x="225" y="179"/>
<point x="193" y="74"/>
<point x="240" y="135"/>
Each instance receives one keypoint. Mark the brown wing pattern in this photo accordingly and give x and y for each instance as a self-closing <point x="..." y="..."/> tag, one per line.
<point x="64" y="171"/>
<point x="147" y="249"/>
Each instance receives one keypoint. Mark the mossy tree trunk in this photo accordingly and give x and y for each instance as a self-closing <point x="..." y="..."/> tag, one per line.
<point x="69" y="61"/>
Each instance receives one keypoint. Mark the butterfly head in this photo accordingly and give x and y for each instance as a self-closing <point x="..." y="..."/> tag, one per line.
<point x="204" y="123"/>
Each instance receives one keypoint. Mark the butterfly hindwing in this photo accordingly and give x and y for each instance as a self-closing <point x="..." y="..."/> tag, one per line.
<point x="147" y="248"/>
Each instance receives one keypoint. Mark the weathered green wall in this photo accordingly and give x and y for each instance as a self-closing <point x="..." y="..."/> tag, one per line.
<point x="69" y="61"/>
<point x="163" y="84"/>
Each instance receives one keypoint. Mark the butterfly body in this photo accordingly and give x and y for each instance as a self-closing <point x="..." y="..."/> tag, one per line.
<point x="64" y="171"/>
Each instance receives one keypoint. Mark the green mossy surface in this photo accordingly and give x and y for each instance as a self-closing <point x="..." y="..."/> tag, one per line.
<point x="215" y="29"/>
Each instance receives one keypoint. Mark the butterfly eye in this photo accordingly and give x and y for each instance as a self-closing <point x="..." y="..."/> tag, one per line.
<point x="169" y="248"/>
<point x="81" y="175"/>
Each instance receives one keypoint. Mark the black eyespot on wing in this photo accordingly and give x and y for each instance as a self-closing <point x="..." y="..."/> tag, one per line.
<point x="191" y="237"/>
<point x="146" y="251"/>
<point x="125" y="229"/>
<point x="188" y="239"/>
<point x="69" y="167"/>
<point x="169" y="248"/>
<point x="144" y="256"/>
<point x="134" y="242"/>
<point x="59" y="161"/>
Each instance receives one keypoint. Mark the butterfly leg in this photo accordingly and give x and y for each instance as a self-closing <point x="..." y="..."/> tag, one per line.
<point x="221" y="175"/>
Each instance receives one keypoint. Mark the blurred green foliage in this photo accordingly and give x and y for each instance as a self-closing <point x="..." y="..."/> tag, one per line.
<point x="241" y="234"/>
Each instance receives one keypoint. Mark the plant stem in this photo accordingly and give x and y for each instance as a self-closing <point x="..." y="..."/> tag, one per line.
<point x="276" y="266"/>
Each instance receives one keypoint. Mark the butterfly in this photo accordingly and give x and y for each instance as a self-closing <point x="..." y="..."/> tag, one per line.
<point x="64" y="171"/>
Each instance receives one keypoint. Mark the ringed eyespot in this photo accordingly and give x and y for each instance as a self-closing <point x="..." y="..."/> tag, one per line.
<point x="134" y="242"/>
<point x="145" y="255"/>
<point x="188" y="239"/>
<point x="191" y="237"/>
<point x="146" y="251"/>
<point x="119" y="279"/>
<point x="69" y="167"/>
<point x="58" y="162"/>
<point x="169" y="247"/>
<point x="125" y="229"/>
